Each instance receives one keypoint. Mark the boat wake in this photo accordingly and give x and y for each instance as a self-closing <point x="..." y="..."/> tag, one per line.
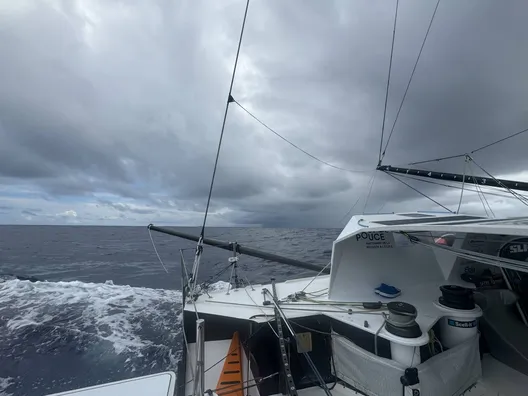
<point x="56" y="336"/>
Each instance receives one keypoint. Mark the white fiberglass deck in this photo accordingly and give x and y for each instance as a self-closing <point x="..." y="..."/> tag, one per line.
<point x="161" y="384"/>
<point x="499" y="380"/>
<point x="247" y="303"/>
<point x="215" y="351"/>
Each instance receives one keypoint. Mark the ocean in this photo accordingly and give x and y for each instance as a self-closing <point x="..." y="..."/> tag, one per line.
<point x="82" y="305"/>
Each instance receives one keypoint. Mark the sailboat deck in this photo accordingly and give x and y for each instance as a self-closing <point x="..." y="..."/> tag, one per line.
<point x="497" y="378"/>
<point x="248" y="303"/>
<point x="215" y="353"/>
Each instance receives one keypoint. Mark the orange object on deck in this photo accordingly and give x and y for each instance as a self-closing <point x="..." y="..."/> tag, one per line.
<point x="230" y="380"/>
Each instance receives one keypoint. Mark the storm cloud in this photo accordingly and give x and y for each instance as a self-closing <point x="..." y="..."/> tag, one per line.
<point x="110" y="112"/>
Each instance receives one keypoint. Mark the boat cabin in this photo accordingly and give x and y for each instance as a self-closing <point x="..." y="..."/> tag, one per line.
<point x="415" y="303"/>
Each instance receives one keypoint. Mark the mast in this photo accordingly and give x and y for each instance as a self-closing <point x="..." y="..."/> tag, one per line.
<point x="457" y="177"/>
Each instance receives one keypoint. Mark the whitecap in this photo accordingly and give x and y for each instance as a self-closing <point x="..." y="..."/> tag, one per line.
<point x="111" y="312"/>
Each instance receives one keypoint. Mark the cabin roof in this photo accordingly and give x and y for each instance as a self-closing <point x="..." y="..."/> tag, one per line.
<point x="434" y="221"/>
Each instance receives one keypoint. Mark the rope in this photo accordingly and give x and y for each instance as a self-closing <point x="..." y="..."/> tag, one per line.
<point x="515" y="194"/>
<point x="229" y="100"/>
<point x="419" y="192"/>
<point x="472" y="152"/>
<point x="370" y="191"/>
<point x="350" y="210"/>
<point x="294" y="145"/>
<point x="463" y="184"/>
<point x="377" y="333"/>
<point x="156" y="251"/>
<point x="263" y="312"/>
<point x="315" y="277"/>
<point x="437" y="159"/>
<point x="500" y="140"/>
<point x="410" y="80"/>
<point x="244" y="344"/>
<point x="479" y="192"/>
<point x="388" y="81"/>
<point x="482" y="197"/>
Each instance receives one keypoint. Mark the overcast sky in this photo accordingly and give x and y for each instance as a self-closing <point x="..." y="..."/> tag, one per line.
<point x="110" y="111"/>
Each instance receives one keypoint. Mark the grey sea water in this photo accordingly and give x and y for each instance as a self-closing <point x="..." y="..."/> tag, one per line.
<point x="99" y="307"/>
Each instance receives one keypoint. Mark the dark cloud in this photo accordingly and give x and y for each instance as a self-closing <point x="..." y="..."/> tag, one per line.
<point x="109" y="110"/>
<point x="122" y="207"/>
<point x="28" y="213"/>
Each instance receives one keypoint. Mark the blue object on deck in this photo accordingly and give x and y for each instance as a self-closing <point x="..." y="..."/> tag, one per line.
<point x="388" y="291"/>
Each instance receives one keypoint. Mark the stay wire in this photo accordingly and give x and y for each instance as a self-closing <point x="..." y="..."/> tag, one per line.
<point x="350" y="210"/>
<point x="293" y="144"/>
<point x="437" y="159"/>
<point x="388" y="81"/>
<point x="479" y="192"/>
<point x="500" y="140"/>
<point x="471" y="152"/>
<point x="410" y="80"/>
<point x="156" y="251"/>
<point x="419" y="192"/>
<point x="515" y="194"/>
<point x="479" y="188"/>
<point x="357" y="200"/>
<point x="463" y="185"/>
<point x="229" y="100"/>
<point x="520" y="197"/>
<point x="487" y="203"/>
<point x="369" y="192"/>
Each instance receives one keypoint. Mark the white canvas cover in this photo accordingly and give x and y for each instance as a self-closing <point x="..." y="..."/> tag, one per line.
<point x="448" y="373"/>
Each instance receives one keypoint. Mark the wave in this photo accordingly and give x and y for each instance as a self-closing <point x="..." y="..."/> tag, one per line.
<point x="118" y="331"/>
<point x="4" y="384"/>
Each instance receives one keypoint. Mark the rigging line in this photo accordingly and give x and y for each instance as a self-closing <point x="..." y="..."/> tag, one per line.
<point x="350" y="210"/>
<point x="500" y="140"/>
<point x="229" y="351"/>
<point x="357" y="201"/>
<point x="458" y="188"/>
<point x="370" y="191"/>
<point x="261" y="310"/>
<point x="515" y="194"/>
<point x="410" y="80"/>
<point x="419" y="192"/>
<point x="156" y="251"/>
<point x="388" y="81"/>
<point x="484" y="199"/>
<point x="474" y="151"/>
<point x="463" y="185"/>
<point x="229" y="99"/>
<point x="437" y="159"/>
<point x="478" y="191"/>
<point x="293" y="144"/>
<point x="315" y="277"/>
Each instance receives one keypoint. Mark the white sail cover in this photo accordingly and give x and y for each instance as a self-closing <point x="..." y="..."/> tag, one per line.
<point x="448" y="373"/>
